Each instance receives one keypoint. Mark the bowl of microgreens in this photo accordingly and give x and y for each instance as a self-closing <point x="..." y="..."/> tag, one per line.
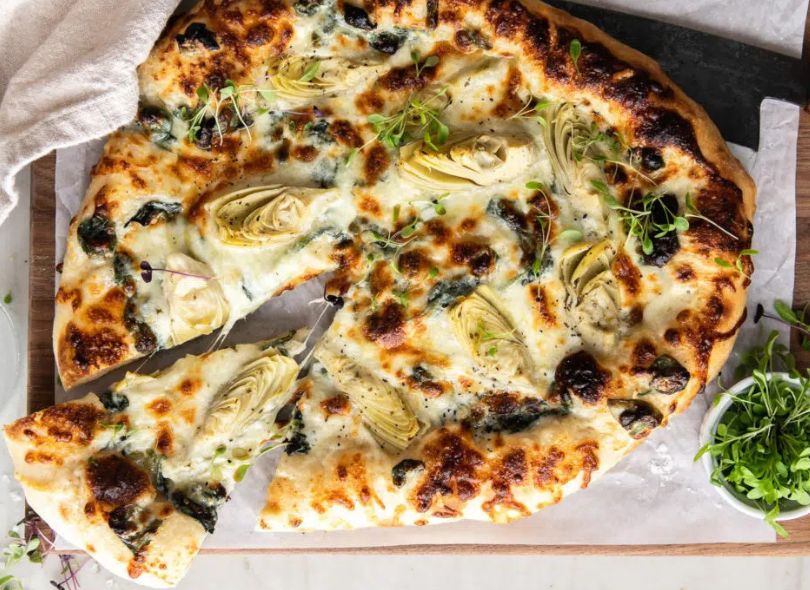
<point x="755" y="440"/>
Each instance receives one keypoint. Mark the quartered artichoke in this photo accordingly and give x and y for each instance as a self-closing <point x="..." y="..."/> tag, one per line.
<point x="593" y="294"/>
<point x="299" y="79"/>
<point x="563" y="131"/>
<point x="482" y="160"/>
<point x="257" y="392"/>
<point x="386" y="415"/>
<point x="482" y="325"/>
<point x="196" y="302"/>
<point x="266" y="215"/>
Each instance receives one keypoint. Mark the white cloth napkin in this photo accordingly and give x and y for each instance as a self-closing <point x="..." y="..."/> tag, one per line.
<point x="67" y="74"/>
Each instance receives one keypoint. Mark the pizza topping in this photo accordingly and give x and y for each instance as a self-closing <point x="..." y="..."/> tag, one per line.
<point x="153" y="210"/>
<point x="386" y="415"/>
<point x="421" y="117"/>
<point x="422" y="379"/>
<point x="401" y="471"/>
<point x="579" y="374"/>
<point x="482" y="160"/>
<point x="468" y="40"/>
<point x="296" y="440"/>
<point x="200" y="501"/>
<point x="649" y="157"/>
<point x="308" y="7"/>
<point x="134" y="525"/>
<point x="481" y="325"/>
<point x="581" y="264"/>
<point x="358" y="18"/>
<point x="664" y="243"/>
<point x="197" y="35"/>
<point x="114" y="402"/>
<point x="565" y="134"/>
<point x="668" y="375"/>
<point x="510" y="412"/>
<point x="96" y="234"/>
<point x="593" y="294"/>
<point x="145" y="339"/>
<point x="116" y="481"/>
<point x="260" y="389"/>
<point x="387" y="42"/>
<point x="197" y="304"/>
<point x="298" y="79"/>
<point x="445" y="293"/>
<point x="157" y="123"/>
<point x="638" y="418"/>
<point x="267" y="215"/>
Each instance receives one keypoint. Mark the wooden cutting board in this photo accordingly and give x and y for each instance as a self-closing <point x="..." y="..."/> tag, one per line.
<point x="41" y="372"/>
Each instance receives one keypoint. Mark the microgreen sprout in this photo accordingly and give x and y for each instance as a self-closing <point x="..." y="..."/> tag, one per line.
<point x="533" y="110"/>
<point x="419" y="65"/>
<point x="418" y="118"/>
<point x="789" y="316"/>
<point x="761" y="446"/>
<point x="693" y="213"/>
<point x="650" y="217"/>
<point x="738" y="264"/>
<point x="147" y="270"/>
<point x="575" y="50"/>
<point x="34" y="544"/>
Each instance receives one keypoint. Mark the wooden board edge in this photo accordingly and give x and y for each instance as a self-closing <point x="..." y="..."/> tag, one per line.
<point x="41" y="362"/>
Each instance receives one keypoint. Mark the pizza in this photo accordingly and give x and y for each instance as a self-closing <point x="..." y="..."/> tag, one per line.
<point x="538" y="247"/>
<point x="136" y="475"/>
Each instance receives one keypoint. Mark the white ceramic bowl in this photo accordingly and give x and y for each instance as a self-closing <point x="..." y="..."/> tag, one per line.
<point x="707" y="431"/>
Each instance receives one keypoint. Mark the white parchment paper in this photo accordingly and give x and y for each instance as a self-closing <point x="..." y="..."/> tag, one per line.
<point x="656" y="495"/>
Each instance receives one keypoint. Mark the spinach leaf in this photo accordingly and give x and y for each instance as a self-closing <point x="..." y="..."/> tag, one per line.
<point x="155" y="210"/>
<point x="96" y="235"/>
<point x="444" y="293"/>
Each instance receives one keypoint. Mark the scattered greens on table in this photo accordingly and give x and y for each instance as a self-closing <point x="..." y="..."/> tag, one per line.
<point x="761" y="447"/>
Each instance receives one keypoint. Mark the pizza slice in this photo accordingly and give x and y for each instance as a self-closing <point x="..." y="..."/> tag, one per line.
<point x="136" y="475"/>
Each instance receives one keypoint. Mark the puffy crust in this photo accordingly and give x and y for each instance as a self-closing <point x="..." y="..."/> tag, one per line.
<point x="451" y="476"/>
<point x="51" y="452"/>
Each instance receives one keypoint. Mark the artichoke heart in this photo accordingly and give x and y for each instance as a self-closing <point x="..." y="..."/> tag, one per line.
<point x="197" y="304"/>
<point x="481" y="324"/>
<point x="592" y="291"/>
<point x="260" y="389"/>
<point x="297" y="78"/>
<point x="386" y="415"/>
<point x="482" y="160"/>
<point x="580" y="263"/>
<point x="563" y="130"/>
<point x="266" y="215"/>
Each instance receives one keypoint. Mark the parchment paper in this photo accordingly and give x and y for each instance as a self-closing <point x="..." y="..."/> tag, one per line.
<point x="657" y="494"/>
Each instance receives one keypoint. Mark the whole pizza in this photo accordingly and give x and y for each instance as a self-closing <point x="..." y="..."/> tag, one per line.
<point x="520" y="220"/>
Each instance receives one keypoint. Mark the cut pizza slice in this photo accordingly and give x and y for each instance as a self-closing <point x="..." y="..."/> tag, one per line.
<point x="136" y="475"/>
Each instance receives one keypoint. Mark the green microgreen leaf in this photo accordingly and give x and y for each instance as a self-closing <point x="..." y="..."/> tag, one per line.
<point x="311" y="71"/>
<point x="240" y="472"/>
<point x="575" y="50"/>
<point x="759" y="449"/>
